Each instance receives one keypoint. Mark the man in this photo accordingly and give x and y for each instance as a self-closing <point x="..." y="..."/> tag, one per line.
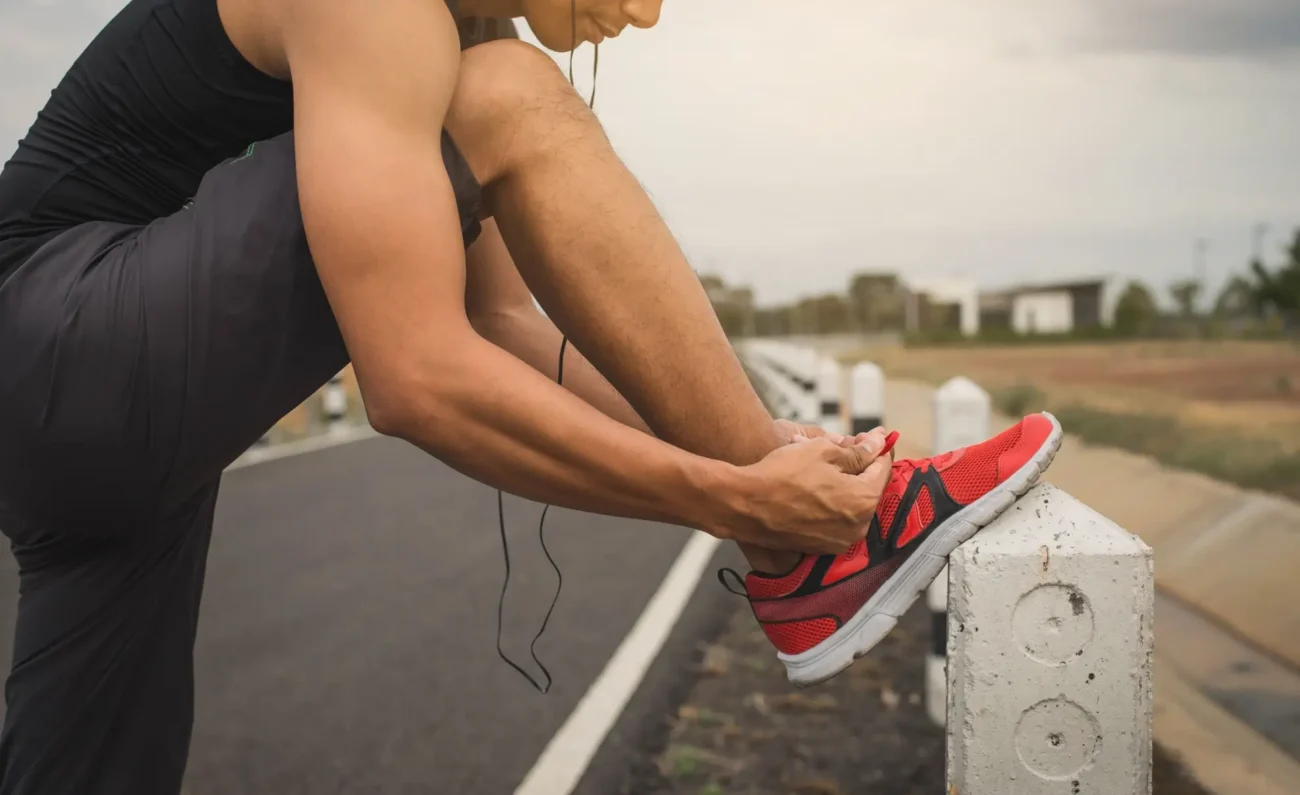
<point x="225" y="201"/>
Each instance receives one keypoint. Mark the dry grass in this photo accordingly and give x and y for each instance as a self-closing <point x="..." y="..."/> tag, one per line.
<point x="1228" y="409"/>
<point x="1249" y="386"/>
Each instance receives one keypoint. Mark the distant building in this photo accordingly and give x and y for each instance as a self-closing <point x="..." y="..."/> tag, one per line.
<point x="942" y="305"/>
<point x="1052" y="308"/>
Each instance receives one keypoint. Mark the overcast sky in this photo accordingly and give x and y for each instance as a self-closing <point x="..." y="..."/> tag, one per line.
<point x="791" y="142"/>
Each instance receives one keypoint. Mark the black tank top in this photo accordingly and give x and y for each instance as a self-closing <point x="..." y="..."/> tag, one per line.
<point x="158" y="98"/>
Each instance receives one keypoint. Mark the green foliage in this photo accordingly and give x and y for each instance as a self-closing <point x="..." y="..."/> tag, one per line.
<point x="1136" y="312"/>
<point x="1257" y="463"/>
<point x="1185" y="294"/>
<point x="1278" y="290"/>
<point x="1219" y="453"/>
<point x="1019" y="400"/>
<point x="1236" y="299"/>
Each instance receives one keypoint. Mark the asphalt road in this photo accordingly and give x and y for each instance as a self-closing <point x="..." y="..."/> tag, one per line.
<point x="347" y="639"/>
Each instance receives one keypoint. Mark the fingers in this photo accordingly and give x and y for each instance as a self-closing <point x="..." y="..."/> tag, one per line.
<point x="852" y="459"/>
<point x="875" y="477"/>
<point x="791" y="432"/>
<point x="874" y="438"/>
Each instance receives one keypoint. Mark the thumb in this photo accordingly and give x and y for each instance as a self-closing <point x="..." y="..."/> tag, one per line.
<point x="851" y="459"/>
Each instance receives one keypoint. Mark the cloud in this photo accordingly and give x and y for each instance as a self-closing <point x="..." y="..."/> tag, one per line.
<point x="39" y="39"/>
<point x="1000" y="140"/>
<point x="1244" y="29"/>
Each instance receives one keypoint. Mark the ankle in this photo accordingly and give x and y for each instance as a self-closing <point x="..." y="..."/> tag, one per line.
<point x="770" y="561"/>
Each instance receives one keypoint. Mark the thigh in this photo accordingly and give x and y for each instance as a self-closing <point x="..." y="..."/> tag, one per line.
<point x="100" y="697"/>
<point x="141" y="361"/>
<point x="238" y="328"/>
<point x="254" y="335"/>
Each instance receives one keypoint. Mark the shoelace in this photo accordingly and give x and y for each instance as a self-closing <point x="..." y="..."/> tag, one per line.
<point x="903" y="467"/>
<point x="900" y="467"/>
<point x="501" y="508"/>
<point x="741" y="590"/>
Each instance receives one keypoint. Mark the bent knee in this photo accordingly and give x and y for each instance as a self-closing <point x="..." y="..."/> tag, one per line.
<point x="509" y="94"/>
<point x="506" y="74"/>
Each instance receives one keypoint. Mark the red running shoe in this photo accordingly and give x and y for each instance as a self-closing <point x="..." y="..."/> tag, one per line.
<point x="832" y="609"/>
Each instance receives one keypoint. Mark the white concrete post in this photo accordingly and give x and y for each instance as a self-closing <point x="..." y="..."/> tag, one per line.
<point x="1050" y="654"/>
<point x="961" y="414"/>
<point x="936" y="656"/>
<point x="961" y="418"/>
<point x="807" y="365"/>
<point x="830" y="383"/>
<point x="335" y="401"/>
<point x="866" y="397"/>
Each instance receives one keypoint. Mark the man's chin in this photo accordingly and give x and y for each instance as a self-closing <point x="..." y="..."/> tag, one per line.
<point x="560" y="41"/>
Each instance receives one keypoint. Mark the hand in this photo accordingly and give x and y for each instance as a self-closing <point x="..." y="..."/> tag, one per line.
<point x="814" y="496"/>
<point x="790" y="431"/>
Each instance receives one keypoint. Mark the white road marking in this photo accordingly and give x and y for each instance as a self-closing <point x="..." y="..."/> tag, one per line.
<point x="566" y="757"/>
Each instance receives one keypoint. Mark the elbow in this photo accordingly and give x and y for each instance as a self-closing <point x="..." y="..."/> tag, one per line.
<point x="387" y="418"/>
<point x="403" y="404"/>
<point x="424" y="399"/>
<point x="504" y="324"/>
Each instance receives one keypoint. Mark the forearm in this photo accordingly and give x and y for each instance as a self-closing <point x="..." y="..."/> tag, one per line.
<point x="532" y="338"/>
<point x="495" y="419"/>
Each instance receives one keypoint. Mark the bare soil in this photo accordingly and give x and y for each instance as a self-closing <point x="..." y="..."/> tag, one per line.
<point x="1223" y="372"/>
<point x="743" y="729"/>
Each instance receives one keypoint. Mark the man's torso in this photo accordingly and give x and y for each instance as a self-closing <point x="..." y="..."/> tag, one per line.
<point x="157" y="99"/>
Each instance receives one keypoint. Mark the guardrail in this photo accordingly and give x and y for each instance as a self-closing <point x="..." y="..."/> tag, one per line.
<point x="1041" y="666"/>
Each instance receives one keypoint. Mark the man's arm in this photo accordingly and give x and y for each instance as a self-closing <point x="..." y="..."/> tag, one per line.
<point x="372" y="82"/>
<point x="502" y="310"/>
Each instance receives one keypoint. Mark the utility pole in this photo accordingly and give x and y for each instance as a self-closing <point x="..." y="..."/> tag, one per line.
<point x="1257" y="242"/>
<point x="1198" y="267"/>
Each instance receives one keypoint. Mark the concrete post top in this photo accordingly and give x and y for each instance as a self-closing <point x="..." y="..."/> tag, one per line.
<point x="828" y="375"/>
<point x="809" y="360"/>
<point x="960" y="388"/>
<point x="1049" y="523"/>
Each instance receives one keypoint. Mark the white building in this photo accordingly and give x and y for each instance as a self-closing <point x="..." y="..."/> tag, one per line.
<point x="1053" y="308"/>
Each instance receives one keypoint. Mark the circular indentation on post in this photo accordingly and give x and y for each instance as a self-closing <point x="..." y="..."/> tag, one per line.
<point x="1057" y="738"/>
<point x="1053" y="624"/>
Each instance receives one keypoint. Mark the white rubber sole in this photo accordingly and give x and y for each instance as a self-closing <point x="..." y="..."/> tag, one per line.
<point x="880" y="614"/>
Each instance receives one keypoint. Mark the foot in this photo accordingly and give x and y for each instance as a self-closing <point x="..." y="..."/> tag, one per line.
<point x="832" y="609"/>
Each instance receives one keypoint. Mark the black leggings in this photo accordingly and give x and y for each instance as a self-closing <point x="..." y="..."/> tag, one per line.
<point x="136" y="363"/>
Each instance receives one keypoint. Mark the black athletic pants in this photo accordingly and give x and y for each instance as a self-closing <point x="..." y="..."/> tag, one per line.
<point x="136" y="363"/>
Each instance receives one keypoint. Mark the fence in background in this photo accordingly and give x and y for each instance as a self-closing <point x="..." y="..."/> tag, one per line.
<point x="334" y="409"/>
<point x="1041" y="668"/>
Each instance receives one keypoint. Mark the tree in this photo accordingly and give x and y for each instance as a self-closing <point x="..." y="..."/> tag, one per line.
<point x="1279" y="290"/>
<point x="876" y="301"/>
<point x="1135" y="312"/>
<point x="1236" y="299"/>
<point x="1185" y="294"/>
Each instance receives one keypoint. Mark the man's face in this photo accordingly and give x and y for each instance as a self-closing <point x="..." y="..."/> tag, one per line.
<point x="554" y="21"/>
